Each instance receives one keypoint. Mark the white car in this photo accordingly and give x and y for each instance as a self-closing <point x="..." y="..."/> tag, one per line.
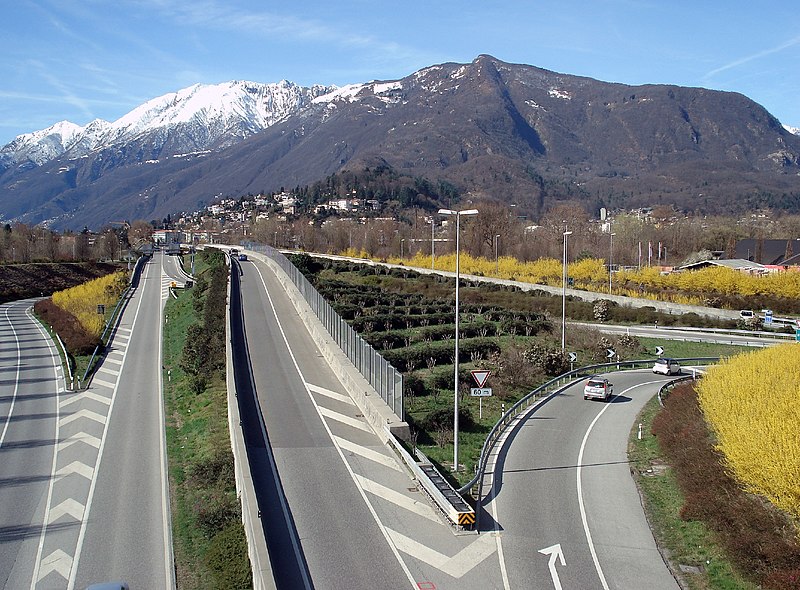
<point x="667" y="367"/>
<point x="598" y="387"/>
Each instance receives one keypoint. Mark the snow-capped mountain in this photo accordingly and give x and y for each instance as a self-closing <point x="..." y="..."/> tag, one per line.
<point x="790" y="129"/>
<point x="200" y="117"/>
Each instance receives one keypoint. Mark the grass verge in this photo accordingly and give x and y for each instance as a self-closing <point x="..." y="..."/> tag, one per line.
<point x="209" y="540"/>
<point x="688" y="545"/>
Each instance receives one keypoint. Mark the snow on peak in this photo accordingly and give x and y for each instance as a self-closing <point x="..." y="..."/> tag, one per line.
<point x="198" y="117"/>
<point x="790" y="129"/>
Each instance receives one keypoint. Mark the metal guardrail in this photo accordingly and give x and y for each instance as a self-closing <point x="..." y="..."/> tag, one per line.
<point x="115" y="315"/>
<point x="384" y="378"/>
<point x="543" y="390"/>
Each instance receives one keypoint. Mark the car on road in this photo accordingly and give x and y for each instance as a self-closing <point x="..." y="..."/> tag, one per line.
<point x="598" y="387"/>
<point x="666" y="366"/>
<point x="242" y="256"/>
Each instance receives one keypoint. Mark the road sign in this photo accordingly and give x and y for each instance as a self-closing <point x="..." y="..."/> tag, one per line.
<point x="572" y="357"/>
<point x="480" y="391"/>
<point x="611" y="353"/>
<point x="767" y="317"/>
<point x="797" y="334"/>
<point x="659" y="350"/>
<point x="480" y="376"/>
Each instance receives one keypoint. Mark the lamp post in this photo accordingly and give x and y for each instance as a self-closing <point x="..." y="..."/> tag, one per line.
<point x="610" y="258"/>
<point x="433" y="224"/>
<point x="564" y="296"/>
<point x="458" y="215"/>
<point x="496" y="259"/>
<point x="402" y="242"/>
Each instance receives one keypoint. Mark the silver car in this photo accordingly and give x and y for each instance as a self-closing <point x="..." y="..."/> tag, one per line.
<point x="667" y="367"/>
<point x="598" y="387"/>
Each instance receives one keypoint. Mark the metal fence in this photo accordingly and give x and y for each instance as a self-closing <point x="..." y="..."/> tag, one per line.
<point x="384" y="378"/>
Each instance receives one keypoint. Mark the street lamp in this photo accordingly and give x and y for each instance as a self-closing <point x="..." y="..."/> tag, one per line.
<point x="402" y="242"/>
<point x="610" y="258"/>
<point x="496" y="259"/>
<point x="458" y="215"/>
<point x="564" y="296"/>
<point x="433" y="225"/>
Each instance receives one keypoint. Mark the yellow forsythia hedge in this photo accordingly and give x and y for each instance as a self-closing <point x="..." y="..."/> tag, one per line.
<point x="82" y="301"/>
<point x="752" y="402"/>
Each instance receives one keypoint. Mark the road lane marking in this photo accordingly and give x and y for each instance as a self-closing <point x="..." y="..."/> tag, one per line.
<point x="82" y="396"/>
<point x="58" y="562"/>
<point x="79" y="468"/>
<point x="88" y="439"/>
<point x="102" y="382"/>
<point x="99" y="418"/>
<point x="341" y="418"/>
<point x="109" y="370"/>
<point x="69" y="506"/>
<point x="421" y="508"/>
<point x="370" y="507"/>
<point x="578" y="471"/>
<point x="367" y="453"/>
<point x="458" y="565"/>
<point x="331" y="394"/>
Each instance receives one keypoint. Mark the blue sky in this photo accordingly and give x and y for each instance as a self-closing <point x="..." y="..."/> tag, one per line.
<point x="84" y="59"/>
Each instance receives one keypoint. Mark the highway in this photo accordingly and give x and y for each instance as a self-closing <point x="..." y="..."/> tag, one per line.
<point x="564" y="498"/>
<point x="83" y="487"/>
<point x="31" y="382"/>
<point x="357" y="520"/>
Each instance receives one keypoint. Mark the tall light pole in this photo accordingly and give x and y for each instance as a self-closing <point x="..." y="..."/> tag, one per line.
<point x="402" y="243"/>
<point x="458" y="215"/>
<point x="610" y="258"/>
<point x="564" y="296"/>
<point x="496" y="259"/>
<point x="433" y="224"/>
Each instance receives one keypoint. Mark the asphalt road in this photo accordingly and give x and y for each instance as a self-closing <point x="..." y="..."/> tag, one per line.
<point x="31" y="381"/>
<point x="565" y="501"/>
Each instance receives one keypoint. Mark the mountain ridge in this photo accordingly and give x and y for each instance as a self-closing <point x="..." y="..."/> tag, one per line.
<point x="509" y="132"/>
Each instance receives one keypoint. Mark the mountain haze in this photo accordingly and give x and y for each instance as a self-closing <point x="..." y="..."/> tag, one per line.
<point x="514" y="133"/>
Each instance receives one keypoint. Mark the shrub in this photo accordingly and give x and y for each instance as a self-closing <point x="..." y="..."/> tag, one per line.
<point x="77" y="340"/>
<point x="224" y="558"/>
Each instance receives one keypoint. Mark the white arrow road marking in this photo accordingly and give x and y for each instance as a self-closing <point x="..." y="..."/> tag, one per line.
<point x="354" y="422"/>
<point x="331" y="394"/>
<point x="85" y="395"/>
<point x="88" y="439"/>
<point x="72" y="507"/>
<point x="367" y="453"/>
<point x="58" y="562"/>
<point x="99" y="418"/>
<point x="398" y="499"/>
<point x="79" y="468"/>
<point x="456" y="566"/>
<point x="556" y="553"/>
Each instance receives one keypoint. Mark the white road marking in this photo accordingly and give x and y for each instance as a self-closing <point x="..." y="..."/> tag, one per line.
<point x="555" y="552"/>
<point x="370" y="507"/>
<point x="58" y="562"/>
<point x="398" y="499"/>
<point x="354" y="422"/>
<point x="367" y="453"/>
<point x="84" y="395"/>
<point x="458" y="565"/>
<point x="99" y="418"/>
<point x="69" y="506"/>
<point x="88" y="439"/>
<point x="102" y="382"/>
<point x="79" y="468"/>
<point x="584" y="520"/>
<point x="331" y="394"/>
<point x="109" y="370"/>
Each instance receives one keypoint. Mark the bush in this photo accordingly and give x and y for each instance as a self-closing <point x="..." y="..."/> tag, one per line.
<point x="224" y="559"/>
<point x="442" y="419"/>
<point x="215" y="510"/>
<point x="77" y="340"/>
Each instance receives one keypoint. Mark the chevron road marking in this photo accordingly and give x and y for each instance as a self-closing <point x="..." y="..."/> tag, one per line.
<point x="458" y="565"/>
<point x="72" y="507"/>
<point x="331" y="394"/>
<point x="84" y="395"/>
<point x="79" y="468"/>
<point x="354" y="422"/>
<point x="99" y="418"/>
<point x="88" y="439"/>
<point x="112" y="360"/>
<point x="398" y="499"/>
<point x="58" y="562"/>
<point x="97" y="381"/>
<point x="367" y="453"/>
<point x="108" y="370"/>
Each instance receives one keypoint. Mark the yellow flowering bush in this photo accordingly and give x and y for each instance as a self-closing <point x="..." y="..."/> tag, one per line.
<point x="82" y="301"/>
<point x="752" y="402"/>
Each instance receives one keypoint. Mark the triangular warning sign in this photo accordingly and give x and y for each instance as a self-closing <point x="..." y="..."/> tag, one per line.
<point x="480" y="377"/>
